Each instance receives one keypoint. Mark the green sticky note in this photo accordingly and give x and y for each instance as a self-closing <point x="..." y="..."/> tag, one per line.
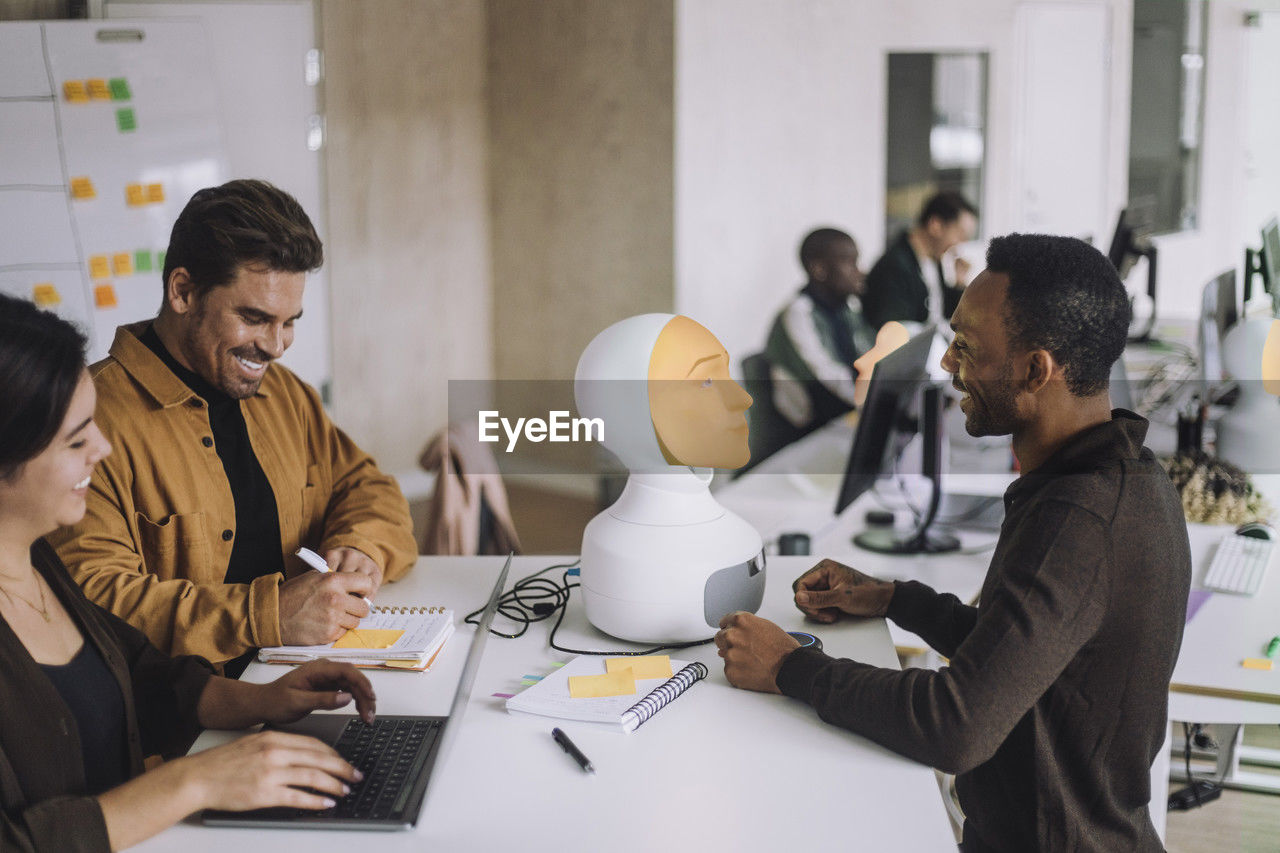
<point x="142" y="261"/>
<point x="160" y="260"/>
<point x="126" y="120"/>
<point x="119" y="89"/>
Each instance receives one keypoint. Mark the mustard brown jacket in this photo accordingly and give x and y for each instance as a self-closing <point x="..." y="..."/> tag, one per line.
<point x="44" y="807"/>
<point x="154" y="544"/>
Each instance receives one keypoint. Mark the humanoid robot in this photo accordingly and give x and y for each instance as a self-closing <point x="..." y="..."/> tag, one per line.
<point x="666" y="562"/>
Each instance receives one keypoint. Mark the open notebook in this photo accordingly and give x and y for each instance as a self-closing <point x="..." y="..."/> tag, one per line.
<point x="556" y="696"/>
<point x="389" y="637"/>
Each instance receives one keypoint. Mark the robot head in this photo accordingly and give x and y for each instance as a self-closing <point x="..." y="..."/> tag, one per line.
<point x="661" y="385"/>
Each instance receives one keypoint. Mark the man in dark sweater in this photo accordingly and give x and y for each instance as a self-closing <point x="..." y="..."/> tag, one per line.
<point x="1053" y="704"/>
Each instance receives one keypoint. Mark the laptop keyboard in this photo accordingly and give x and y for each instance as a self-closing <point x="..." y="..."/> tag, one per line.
<point x="390" y="753"/>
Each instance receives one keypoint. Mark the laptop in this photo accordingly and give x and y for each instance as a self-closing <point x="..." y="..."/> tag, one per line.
<point x="397" y="755"/>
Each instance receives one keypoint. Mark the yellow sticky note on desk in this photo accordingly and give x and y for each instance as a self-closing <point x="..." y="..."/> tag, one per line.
<point x="649" y="666"/>
<point x="1256" y="663"/>
<point x="618" y="683"/>
<point x="368" y="638"/>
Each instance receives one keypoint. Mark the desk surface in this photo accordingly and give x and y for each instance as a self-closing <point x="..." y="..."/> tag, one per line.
<point x="720" y="769"/>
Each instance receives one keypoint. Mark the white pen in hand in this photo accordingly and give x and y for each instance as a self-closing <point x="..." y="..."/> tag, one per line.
<point x="315" y="561"/>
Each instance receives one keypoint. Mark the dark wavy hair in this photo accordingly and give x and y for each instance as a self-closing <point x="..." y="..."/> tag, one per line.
<point x="241" y="222"/>
<point x="1065" y="297"/>
<point x="41" y="359"/>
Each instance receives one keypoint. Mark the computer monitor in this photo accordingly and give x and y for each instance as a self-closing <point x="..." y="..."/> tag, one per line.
<point x="1218" y="313"/>
<point x="1132" y="240"/>
<point x="887" y="414"/>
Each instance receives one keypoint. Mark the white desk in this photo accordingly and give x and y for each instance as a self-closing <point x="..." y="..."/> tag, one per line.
<point x="720" y="769"/>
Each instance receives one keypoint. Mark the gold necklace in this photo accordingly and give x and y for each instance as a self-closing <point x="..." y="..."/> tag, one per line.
<point x="43" y="609"/>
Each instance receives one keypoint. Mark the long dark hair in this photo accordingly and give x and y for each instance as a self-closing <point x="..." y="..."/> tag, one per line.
<point x="41" y="358"/>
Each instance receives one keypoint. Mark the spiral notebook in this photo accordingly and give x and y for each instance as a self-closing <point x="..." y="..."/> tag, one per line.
<point x="390" y="637"/>
<point x="551" y="697"/>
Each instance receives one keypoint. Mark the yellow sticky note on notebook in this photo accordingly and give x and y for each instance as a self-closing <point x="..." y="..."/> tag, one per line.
<point x="45" y="294"/>
<point x="82" y="188"/>
<point x="99" y="90"/>
<point x="368" y="638"/>
<point x="649" y="666"/>
<point x="619" y="683"/>
<point x="74" y="91"/>
<point x="99" y="266"/>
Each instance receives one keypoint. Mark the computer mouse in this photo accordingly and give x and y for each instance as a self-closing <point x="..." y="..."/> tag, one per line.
<point x="807" y="641"/>
<point x="1257" y="530"/>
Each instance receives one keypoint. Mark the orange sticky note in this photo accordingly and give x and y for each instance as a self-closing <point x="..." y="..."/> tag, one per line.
<point x="45" y="294"/>
<point x="74" y="91"/>
<point x="135" y="195"/>
<point x="99" y="90"/>
<point x="122" y="264"/>
<point x="82" y="188"/>
<point x="648" y="666"/>
<point x="618" y="683"/>
<point x="99" y="267"/>
<point x="1256" y="663"/>
<point x="104" y="296"/>
<point x="155" y="193"/>
<point x="368" y="638"/>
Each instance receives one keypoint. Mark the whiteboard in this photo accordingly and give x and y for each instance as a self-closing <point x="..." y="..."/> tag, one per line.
<point x="105" y="132"/>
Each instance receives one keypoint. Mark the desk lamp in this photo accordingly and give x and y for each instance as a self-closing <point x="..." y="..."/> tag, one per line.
<point x="666" y="562"/>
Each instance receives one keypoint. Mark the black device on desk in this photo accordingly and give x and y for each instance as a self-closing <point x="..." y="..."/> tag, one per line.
<point x="1132" y="240"/>
<point x="897" y="380"/>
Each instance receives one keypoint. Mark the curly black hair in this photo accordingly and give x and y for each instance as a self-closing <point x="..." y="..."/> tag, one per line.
<point x="817" y="244"/>
<point x="1065" y="297"/>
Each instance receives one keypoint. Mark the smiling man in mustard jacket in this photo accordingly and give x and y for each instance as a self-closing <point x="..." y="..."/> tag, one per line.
<point x="225" y="463"/>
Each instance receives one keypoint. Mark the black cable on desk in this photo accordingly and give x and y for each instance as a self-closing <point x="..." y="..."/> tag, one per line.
<point x="534" y="598"/>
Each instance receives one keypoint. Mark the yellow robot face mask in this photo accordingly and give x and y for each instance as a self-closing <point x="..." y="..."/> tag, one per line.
<point x="698" y="411"/>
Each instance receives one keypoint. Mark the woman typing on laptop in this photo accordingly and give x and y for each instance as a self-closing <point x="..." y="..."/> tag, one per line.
<point x="83" y="695"/>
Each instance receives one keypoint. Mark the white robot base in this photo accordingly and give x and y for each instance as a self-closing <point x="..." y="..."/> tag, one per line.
<point x="666" y="562"/>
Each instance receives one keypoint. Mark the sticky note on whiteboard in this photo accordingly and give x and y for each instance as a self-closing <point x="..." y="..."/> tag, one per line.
<point x="619" y="683"/>
<point x="126" y="120"/>
<point x="142" y="261"/>
<point x="99" y="90"/>
<point x="122" y="264"/>
<point x="135" y="195"/>
<point x="74" y="92"/>
<point x="119" y="89"/>
<point x="155" y="193"/>
<point x="45" y="295"/>
<point x="82" y="188"/>
<point x="99" y="266"/>
<point x="648" y="666"/>
<point x="104" y="296"/>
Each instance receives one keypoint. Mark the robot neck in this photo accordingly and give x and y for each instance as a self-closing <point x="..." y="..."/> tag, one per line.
<point x="675" y="498"/>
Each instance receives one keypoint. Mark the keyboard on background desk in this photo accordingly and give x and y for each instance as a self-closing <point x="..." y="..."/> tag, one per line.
<point x="1240" y="564"/>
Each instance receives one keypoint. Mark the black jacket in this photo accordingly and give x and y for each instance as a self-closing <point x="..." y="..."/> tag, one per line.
<point x="42" y="785"/>
<point x="895" y="288"/>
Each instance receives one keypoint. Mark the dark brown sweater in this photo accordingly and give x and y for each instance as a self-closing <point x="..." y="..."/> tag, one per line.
<point x="42" y="786"/>
<point x="1053" y="705"/>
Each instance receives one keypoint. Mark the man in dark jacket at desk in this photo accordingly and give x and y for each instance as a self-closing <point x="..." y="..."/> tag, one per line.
<point x="1053" y="704"/>
<point x="908" y="283"/>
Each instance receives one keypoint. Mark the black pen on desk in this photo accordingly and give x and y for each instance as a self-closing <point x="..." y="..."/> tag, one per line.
<point x="574" y="753"/>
